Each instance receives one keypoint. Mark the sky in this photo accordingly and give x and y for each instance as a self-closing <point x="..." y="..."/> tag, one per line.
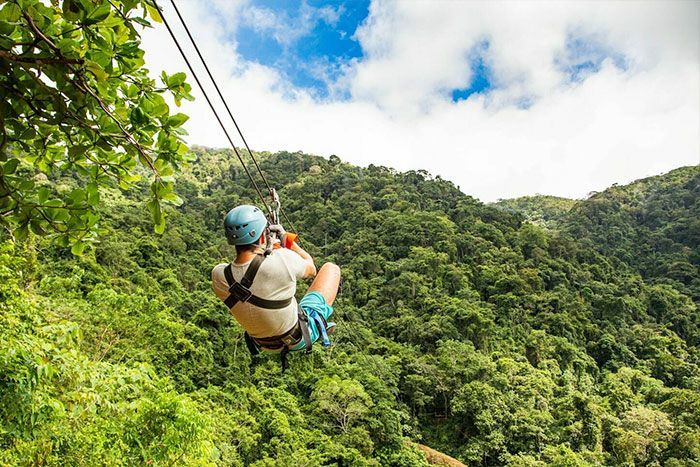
<point x="504" y="99"/>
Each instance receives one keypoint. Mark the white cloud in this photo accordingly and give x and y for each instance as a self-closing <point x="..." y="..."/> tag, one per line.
<point x="615" y="126"/>
<point x="285" y="30"/>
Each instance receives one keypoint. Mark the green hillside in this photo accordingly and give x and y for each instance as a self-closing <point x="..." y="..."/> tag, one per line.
<point x="653" y="225"/>
<point x="493" y="340"/>
<point x="545" y="211"/>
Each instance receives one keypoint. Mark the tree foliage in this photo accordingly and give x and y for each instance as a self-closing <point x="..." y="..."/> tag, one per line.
<point x="76" y="99"/>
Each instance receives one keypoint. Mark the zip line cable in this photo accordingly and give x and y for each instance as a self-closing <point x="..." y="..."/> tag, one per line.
<point x="211" y="106"/>
<point x="216" y="86"/>
<point x="223" y="100"/>
<point x="228" y="110"/>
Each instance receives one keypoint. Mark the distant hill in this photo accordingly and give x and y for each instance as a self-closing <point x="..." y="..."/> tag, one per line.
<point x="542" y="210"/>
<point x="653" y="225"/>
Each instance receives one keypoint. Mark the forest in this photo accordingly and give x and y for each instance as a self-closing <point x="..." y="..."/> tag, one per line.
<point x="529" y="332"/>
<point x="461" y="325"/>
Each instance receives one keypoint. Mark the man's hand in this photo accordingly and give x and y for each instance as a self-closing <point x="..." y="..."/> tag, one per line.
<point x="279" y="231"/>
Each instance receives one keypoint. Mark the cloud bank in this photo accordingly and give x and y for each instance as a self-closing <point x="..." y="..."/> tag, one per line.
<point x="581" y="95"/>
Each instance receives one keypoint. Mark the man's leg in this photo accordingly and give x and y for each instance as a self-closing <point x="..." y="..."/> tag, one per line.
<point x="326" y="282"/>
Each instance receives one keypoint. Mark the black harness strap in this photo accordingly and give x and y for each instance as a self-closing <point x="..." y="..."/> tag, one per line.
<point x="283" y="342"/>
<point x="253" y="347"/>
<point x="240" y="291"/>
<point x="305" y="334"/>
<point x="289" y="338"/>
<point x="252" y="271"/>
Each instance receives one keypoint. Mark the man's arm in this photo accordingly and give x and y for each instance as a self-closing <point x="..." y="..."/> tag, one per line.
<point x="310" y="267"/>
<point x="310" y="270"/>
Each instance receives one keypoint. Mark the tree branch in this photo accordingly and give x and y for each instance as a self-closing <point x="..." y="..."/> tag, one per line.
<point x="64" y="101"/>
<point x="38" y="61"/>
<point x="40" y="34"/>
<point x="126" y="133"/>
<point x="27" y="101"/>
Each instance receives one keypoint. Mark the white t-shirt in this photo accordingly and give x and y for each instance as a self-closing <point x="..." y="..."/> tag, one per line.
<point x="276" y="280"/>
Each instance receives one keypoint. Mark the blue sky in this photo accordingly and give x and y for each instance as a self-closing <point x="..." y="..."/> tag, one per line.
<point x="584" y="55"/>
<point x="309" y="41"/>
<point x="481" y="74"/>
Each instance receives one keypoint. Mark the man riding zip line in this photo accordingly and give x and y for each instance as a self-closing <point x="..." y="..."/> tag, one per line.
<point x="259" y="288"/>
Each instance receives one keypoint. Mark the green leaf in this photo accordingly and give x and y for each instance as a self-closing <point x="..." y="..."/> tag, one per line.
<point x="54" y="203"/>
<point x="26" y="185"/>
<point x="130" y="50"/>
<point x="153" y="12"/>
<point x="172" y="198"/>
<point x="158" y="216"/>
<point x="36" y="227"/>
<point x="143" y="22"/>
<point x="10" y="12"/>
<point x="77" y="248"/>
<point x="158" y="105"/>
<point x="159" y="227"/>
<point x="98" y="14"/>
<point x="132" y="91"/>
<point x="72" y="9"/>
<point x="10" y="166"/>
<point x="176" y="79"/>
<point x="93" y="194"/>
<point x="77" y="195"/>
<point x="165" y="170"/>
<point x="69" y="47"/>
<point x="102" y="57"/>
<point x="61" y="215"/>
<point x="77" y="150"/>
<point x="154" y="207"/>
<point x="6" y="29"/>
<point x="22" y="232"/>
<point x="92" y="218"/>
<point x="138" y="117"/>
<point x="43" y="194"/>
<point x="177" y="119"/>
<point x="96" y="70"/>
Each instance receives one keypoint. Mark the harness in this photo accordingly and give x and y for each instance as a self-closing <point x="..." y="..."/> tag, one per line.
<point x="240" y="292"/>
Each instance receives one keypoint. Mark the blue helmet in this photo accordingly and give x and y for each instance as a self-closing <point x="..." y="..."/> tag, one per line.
<point x="244" y="225"/>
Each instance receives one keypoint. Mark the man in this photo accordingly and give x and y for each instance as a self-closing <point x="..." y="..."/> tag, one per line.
<point x="259" y="289"/>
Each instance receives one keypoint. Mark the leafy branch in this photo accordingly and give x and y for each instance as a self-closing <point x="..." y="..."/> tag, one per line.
<point x="75" y="99"/>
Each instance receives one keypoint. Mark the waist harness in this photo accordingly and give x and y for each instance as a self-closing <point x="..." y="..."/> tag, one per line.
<point x="240" y="292"/>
